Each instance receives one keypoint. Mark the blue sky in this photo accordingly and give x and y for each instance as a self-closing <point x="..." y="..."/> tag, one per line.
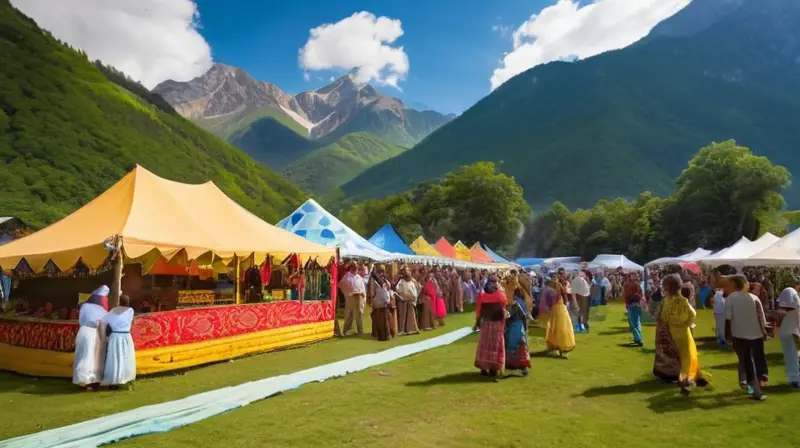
<point x="451" y="46"/>
<point x="445" y="54"/>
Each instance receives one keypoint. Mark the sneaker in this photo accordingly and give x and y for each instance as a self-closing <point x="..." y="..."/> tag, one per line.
<point x="524" y="372"/>
<point x="761" y="397"/>
<point x="750" y="390"/>
<point x="743" y="385"/>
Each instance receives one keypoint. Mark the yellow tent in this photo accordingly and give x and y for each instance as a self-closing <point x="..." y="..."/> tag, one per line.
<point x="421" y="247"/>
<point x="462" y="251"/>
<point x="154" y="216"/>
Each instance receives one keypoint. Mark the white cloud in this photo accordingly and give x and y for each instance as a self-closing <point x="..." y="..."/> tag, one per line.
<point x="566" y="30"/>
<point x="361" y="42"/>
<point x="149" y="40"/>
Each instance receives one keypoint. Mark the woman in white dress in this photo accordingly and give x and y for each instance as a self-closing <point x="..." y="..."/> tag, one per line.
<point x="87" y="368"/>
<point x="120" y="356"/>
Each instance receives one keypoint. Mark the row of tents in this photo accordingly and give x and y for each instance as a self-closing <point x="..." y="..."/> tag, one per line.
<point x="312" y="222"/>
<point x="149" y="218"/>
<point x="768" y="250"/>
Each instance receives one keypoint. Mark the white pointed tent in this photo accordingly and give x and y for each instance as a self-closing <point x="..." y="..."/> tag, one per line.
<point x="312" y="222"/>
<point x="735" y="247"/>
<point x="612" y="261"/>
<point x="695" y="255"/>
<point x="784" y="252"/>
<point x="742" y="250"/>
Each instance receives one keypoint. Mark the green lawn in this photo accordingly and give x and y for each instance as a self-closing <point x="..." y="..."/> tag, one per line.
<point x="603" y="395"/>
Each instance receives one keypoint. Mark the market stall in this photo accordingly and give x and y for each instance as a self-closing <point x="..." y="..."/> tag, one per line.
<point x="197" y="266"/>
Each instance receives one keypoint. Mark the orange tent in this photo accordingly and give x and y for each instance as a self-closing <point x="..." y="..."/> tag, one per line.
<point x="479" y="255"/>
<point x="445" y="248"/>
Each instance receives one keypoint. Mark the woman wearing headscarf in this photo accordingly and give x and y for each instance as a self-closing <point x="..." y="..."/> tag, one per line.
<point x="490" y="356"/>
<point x="560" y="335"/>
<point x="120" y="366"/>
<point x="407" y="295"/>
<point x="677" y="313"/>
<point x="517" y="354"/>
<point x="87" y="368"/>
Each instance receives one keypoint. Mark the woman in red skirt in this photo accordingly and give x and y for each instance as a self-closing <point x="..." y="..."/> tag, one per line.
<point x="490" y="357"/>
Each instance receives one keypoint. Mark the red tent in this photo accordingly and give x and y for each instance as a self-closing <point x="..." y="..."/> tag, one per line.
<point x="445" y="248"/>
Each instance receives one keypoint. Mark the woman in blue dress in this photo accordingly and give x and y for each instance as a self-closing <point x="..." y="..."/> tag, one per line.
<point x="517" y="354"/>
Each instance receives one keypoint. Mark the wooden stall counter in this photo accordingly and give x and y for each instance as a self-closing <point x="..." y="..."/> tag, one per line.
<point x="171" y="340"/>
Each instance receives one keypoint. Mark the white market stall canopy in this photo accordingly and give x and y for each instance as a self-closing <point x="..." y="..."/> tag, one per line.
<point x="784" y="252"/>
<point x="695" y="255"/>
<point x="742" y="250"/>
<point x="609" y="261"/>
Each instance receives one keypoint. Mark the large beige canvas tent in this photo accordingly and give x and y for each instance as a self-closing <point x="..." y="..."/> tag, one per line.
<point x="152" y="216"/>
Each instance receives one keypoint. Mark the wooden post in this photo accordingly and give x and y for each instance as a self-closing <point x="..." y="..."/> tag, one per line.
<point x="116" y="284"/>
<point x="236" y="289"/>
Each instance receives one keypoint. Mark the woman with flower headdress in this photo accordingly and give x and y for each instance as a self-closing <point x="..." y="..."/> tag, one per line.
<point x="87" y="368"/>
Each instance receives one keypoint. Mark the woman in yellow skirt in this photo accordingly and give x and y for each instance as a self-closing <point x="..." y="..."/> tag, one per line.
<point x="678" y="314"/>
<point x="560" y="334"/>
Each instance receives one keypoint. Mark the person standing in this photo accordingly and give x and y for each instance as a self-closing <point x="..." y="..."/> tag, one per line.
<point x="788" y="309"/>
<point x="632" y="291"/>
<point x="581" y="289"/>
<point x="381" y="314"/>
<point x="407" y="300"/>
<point x="456" y="291"/>
<point x="90" y="352"/>
<point x="427" y="302"/>
<point x="120" y="368"/>
<point x="490" y="355"/>
<point x="518" y="356"/>
<point x="677" y="313"/>
<point x="745" y="326"/>
<point x="355" y="296"/>
<point x="560" y="335"/>
<point x="526" y="287"/>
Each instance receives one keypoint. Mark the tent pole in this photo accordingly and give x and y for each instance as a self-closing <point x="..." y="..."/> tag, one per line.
<point x="236" y="281"/>
<point x="116" y="284"/>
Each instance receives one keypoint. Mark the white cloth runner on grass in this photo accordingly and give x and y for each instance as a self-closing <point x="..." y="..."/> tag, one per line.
<point x="173" y="414"/>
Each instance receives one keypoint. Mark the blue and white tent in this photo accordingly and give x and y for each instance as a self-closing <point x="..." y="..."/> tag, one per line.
<point x="497" y="258"/>
<point x="314" y="223"/>
<point x="388" y="239"/>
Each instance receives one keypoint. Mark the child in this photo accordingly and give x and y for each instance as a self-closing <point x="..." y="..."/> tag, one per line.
<point x="788" y="309"/>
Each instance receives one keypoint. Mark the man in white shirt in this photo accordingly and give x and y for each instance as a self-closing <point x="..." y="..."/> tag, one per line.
<point x="580" y="287"/>
<point x="355" y="296"/>
<point x="745" y="324"/>
<point x="789" y="307"/>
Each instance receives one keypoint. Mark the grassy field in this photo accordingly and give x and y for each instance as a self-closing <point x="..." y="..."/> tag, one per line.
<point x="603" y="395"/>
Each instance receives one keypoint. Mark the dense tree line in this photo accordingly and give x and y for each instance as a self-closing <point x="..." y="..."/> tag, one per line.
<point x="473" y="203"/>
<point x="726" y="192"/>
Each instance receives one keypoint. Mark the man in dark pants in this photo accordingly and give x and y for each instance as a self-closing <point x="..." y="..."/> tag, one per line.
<point x="745" y="325"/>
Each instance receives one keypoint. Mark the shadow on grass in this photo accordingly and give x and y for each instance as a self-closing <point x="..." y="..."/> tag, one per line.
<point x="615" y="331"/>
<point x="12" y="382"/>
<point x="710" y="344"/>
<point x="647" y="384"/>
<point x="450" y="379"/>
<point x="773" y="359"/>
<point x="672" y="401"/>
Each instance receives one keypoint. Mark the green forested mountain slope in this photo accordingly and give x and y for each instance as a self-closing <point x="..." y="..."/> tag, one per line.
<point x="272" y="143"/>
<point x="67" y="134"/>
<point x="330" y="166"/>
<point x="628" y="121"/>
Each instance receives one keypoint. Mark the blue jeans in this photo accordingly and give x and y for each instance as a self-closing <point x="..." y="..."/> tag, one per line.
<point x="635" y="323"/>
<point x="790" y="358"/>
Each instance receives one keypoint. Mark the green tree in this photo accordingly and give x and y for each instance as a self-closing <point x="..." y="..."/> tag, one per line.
<point x="723" y="192"/>
<point x="485" y="205"/>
